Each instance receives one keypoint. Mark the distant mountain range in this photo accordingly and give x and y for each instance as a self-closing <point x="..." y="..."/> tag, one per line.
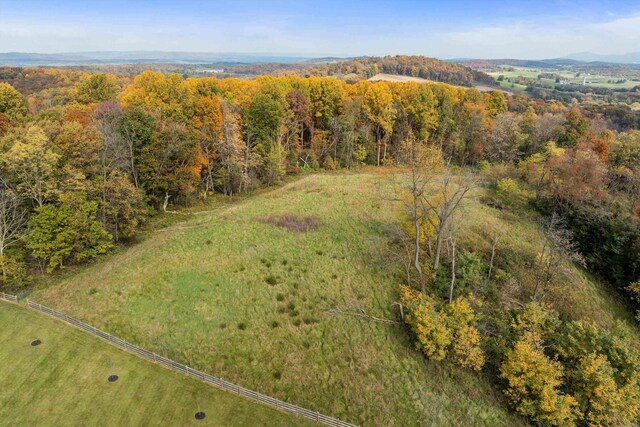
<point x="598" y="61"/>
<point x="142" y="57"/>
<point x="626" y="58"/>
<point x="147" y="57"/>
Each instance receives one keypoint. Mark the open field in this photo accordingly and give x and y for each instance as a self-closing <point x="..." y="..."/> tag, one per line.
<point x="229" y="293"/>
<point x="63" y="381"/>
<point x="381" y="77"/>
<point x="532" y="73"/>
<point x="237" y="294"/>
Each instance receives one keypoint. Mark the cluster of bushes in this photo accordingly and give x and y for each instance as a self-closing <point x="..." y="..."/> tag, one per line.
<point x="570" y="373"/>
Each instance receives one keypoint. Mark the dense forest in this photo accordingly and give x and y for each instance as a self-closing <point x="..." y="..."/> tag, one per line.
<point x="86" y="158"/>
<point x="414" y="66"/>
<point x="346" y="69"/>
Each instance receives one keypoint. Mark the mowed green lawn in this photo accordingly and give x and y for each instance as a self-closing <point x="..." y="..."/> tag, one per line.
<point x="63" y="381"/>
<point x="230" y="294"/>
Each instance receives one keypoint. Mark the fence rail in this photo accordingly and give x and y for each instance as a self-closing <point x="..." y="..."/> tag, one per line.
<point x="168" y="363"/>
<point x="8" y="297"/>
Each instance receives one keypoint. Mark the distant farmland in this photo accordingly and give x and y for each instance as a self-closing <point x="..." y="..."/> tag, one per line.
<point x="382" y="77"/>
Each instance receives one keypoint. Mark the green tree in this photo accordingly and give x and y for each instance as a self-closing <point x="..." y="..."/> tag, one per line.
<point x="263" y="119"/>
<point x="57" y="235"/>
<point x="170" y="166"/>
<point x="574" y="128"/>
<point x="31" y="163"/>
<point x="137" y="129"/>
<point x="95" y="88"/>
<point x="378" y="104"/>
<point x="121" y="205"/>
<point x="495" y="102"/>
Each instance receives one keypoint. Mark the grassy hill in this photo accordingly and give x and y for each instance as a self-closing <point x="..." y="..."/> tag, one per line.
<point x="232" y="294"/>
<point x="241" y="293"/>
<point x="63" y="381"/>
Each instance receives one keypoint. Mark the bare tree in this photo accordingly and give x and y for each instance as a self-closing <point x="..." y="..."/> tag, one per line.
<point x="452" y="241"/>
<point x="440" y="209"/>
<point x="558" y="247"/>
<point x="424" y="164"/>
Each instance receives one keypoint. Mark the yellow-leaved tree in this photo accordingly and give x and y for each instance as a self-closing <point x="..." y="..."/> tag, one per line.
<point x="443" y="331"/>
<point x="466" y="338"/>
<point x="427" y="322"/>
<point x="534" y="379"/>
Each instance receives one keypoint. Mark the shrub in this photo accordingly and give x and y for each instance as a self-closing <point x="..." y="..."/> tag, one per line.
<point x="466" y="338"/>
<point x="360" y="154"/>
<point x="427" y="323"/>
<point x="12" y="273"/>
<point x="271" y="280"/>
<point x="444" y="331"/>
<point x="533" y="382"/>
<point x="484" y="165"/>
<point x="634" y="290"/>
<point x="603" y="370"/>
<point x="508" y="192"/>
<point x="329" y="163"/>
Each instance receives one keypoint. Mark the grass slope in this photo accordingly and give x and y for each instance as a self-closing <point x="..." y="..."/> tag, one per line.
<point x="63" y="381"/>
<point x="577" y="296"/>
<point x="229" y="294"/>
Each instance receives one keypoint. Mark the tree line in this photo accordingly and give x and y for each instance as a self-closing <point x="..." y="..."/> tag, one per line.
<point x="114" y="149"/>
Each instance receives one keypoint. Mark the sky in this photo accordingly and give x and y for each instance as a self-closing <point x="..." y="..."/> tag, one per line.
<point x="444" y="29"/>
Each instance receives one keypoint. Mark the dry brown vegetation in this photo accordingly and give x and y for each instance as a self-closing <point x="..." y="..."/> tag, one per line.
<point x="298" y="224"/>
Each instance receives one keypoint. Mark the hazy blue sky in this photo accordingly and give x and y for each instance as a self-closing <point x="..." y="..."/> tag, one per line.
<point x="447" y="29"/>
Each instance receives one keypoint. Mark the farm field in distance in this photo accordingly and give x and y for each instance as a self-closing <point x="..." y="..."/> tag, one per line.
<point x="63" y="381"/>
<point x="594" y="80"/>
<point x="382" y="77"/>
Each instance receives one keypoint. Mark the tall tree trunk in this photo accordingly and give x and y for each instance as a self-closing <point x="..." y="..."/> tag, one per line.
<point x="416" y="256"/>
<point x="378" y="141"/>
<point x="166" y="201"/>
<point x="453" y="269"/>
<point x="436" y="260"/>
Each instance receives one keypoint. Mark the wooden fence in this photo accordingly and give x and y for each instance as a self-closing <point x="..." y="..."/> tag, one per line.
<point x="168" y="363"/>
<point x="8" y="297"/>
